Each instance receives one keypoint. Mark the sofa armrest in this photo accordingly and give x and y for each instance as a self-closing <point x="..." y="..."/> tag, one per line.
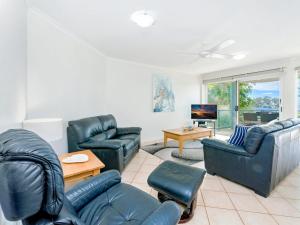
<point x="128" y="130"/>
<point x="87" y="190"/>
<point x="111" y="144"/>
<point x="224" y="146"/>
<point x="167" y="214"/>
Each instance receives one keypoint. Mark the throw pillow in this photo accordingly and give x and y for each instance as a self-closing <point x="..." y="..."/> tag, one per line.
<point x="238" y="136"/>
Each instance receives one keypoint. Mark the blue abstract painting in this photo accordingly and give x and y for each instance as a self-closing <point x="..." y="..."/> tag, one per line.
<point x="163" y="94"/>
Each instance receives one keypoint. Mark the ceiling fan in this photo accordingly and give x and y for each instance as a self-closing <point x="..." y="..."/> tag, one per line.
<point x="214" y="52"/>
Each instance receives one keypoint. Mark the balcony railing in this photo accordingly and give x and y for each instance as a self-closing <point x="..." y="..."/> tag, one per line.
<point x="226" y="118"/>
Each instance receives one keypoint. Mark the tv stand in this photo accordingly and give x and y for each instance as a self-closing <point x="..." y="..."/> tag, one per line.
<point x="203" y="123"/>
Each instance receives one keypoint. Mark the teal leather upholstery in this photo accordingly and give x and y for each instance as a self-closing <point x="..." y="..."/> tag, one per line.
<point x="275" y="153"/>
<point x="32" y="190"/>
<point x="177" y="181"/>
<point x="113" y="145"/>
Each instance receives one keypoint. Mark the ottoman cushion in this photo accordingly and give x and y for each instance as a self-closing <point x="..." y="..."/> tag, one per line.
<point x="180" y="182"/>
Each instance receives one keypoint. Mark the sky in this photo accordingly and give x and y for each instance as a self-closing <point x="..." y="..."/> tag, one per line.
<point x="266" y="89"/>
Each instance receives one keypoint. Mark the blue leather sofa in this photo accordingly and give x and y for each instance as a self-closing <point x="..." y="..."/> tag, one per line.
<point x="269" y="154"/>
<point x="32" y="190"/>
<point x="114" y="146"/>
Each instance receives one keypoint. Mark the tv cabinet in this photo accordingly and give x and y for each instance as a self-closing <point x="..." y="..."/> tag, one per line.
<point x="205" y="124"/>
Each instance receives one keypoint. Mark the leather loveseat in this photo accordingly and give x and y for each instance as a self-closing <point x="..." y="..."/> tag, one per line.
<point x="269" y="154"/>
<point x="113" y="145"/>
<point x="32" y="190"/>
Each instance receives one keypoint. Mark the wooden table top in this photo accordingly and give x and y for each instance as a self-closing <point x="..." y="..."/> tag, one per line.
<point x="181" y="132"/>
<point x="71" y="169"/>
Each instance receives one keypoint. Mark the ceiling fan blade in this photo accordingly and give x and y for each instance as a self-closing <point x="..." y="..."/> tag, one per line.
<point x="223" y="45"/>
<point x="217" y="56"/>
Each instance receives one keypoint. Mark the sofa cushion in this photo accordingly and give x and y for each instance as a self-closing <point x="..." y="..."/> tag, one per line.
<point x="295" y="121"/>
<point x="134" y="137"/>
<point x="238" y="136"/>
<point x="111" y="133"/>
<point x="285" y="123"/>
<point x="86" y="128"/>
<point x="122" y="204"/>
<point x="98" y="137"/>
<point x="256" y="134"/>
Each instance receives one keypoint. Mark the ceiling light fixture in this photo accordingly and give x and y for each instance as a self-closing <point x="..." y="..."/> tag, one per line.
<point x="142" y="18"/>
<point x="239" y="56"/>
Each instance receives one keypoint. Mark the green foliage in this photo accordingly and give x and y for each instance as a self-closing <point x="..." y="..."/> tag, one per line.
<point x="220" y="93"/>
<point x="245" y="101"/>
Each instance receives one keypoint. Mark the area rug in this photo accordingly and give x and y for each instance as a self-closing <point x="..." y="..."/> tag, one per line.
<point x="192" y="151"/>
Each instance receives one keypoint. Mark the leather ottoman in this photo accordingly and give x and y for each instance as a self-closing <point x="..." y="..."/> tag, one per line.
<point x="179" y="183"/>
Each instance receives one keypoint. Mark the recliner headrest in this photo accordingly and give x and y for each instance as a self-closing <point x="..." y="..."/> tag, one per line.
<point x="31" y="176"/>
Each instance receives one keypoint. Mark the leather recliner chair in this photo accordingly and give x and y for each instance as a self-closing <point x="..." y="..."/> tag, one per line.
<point x="32" y="190"/>
<point x="114" y="146"/>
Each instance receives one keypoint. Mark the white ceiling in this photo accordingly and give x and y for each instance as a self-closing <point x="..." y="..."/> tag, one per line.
<point x="265" y="29"/>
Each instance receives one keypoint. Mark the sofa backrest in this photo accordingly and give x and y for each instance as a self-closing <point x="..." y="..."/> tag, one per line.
<point x="83" y="130"/>
<point x="255" y="136"/>
<point x="109" y="125"/>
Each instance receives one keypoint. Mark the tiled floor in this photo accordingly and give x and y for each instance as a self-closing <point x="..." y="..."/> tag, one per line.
<point x="221" y="202"/>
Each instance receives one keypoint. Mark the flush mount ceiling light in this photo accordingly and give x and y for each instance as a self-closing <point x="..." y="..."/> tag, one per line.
<point x="142" y="18"/>
<point x="239" y="56"/>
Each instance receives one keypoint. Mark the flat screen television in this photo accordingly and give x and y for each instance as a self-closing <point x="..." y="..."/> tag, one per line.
<point x="204" y="112"/>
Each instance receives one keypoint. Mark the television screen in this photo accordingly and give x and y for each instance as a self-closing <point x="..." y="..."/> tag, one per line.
<point x="204" y="112"/>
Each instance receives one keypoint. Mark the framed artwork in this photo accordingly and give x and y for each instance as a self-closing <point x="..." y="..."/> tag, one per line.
<point x="163" y="94"/>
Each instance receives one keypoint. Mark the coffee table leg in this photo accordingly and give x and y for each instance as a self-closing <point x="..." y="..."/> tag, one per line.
<point x="180" y="146"/>
<point x="165" y="139"/>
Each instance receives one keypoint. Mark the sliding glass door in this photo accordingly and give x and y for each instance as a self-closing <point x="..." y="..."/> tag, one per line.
<point x="244" y="102"/>
<point x="258" y="101"/>
<point x="224" y="95"/>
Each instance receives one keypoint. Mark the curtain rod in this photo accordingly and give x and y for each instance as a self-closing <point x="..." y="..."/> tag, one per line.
<point x="255" y="73"/>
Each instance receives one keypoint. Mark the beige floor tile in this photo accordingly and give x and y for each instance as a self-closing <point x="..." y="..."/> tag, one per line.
<point x="200" y="198"/>
<point x="275" y="194"/>
<point x="148" y="168"/>
<point x="294" y="180"/>
<point x="235" y="188"/>
<point x="217" y="199"/>
<point x="212" y="185"/>
<point x="223" y="216"/>
<point x="296" y="171"/>
<point x="295" y="203"/>
<point x="208" y="176"/>
<point x="200" y="217"/>
<point x="128" y="176"/>
<point x="288" y="191"/>
<point x="132" y="167"/>
<point x="246" y="203"/>
<point x="278" y="206"/>
<point x="282" y="220"/>
<point x="154" y="193"/>
<point x="250" y="218"/>
<point x="141" y="178"/>
<point x="152" y="161"/>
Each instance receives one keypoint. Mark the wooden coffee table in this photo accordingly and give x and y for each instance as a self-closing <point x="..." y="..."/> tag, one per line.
<point x="181" y="136"/>
<point x="78" y="171"/>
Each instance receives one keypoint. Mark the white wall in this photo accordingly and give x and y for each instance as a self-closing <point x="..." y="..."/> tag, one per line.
<point x="129" y="97"/>
<point x="66" y="76"/>
<point x="12" y="68"/>
<point x="12" y="63"/>
<point x="288" y="81"/>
